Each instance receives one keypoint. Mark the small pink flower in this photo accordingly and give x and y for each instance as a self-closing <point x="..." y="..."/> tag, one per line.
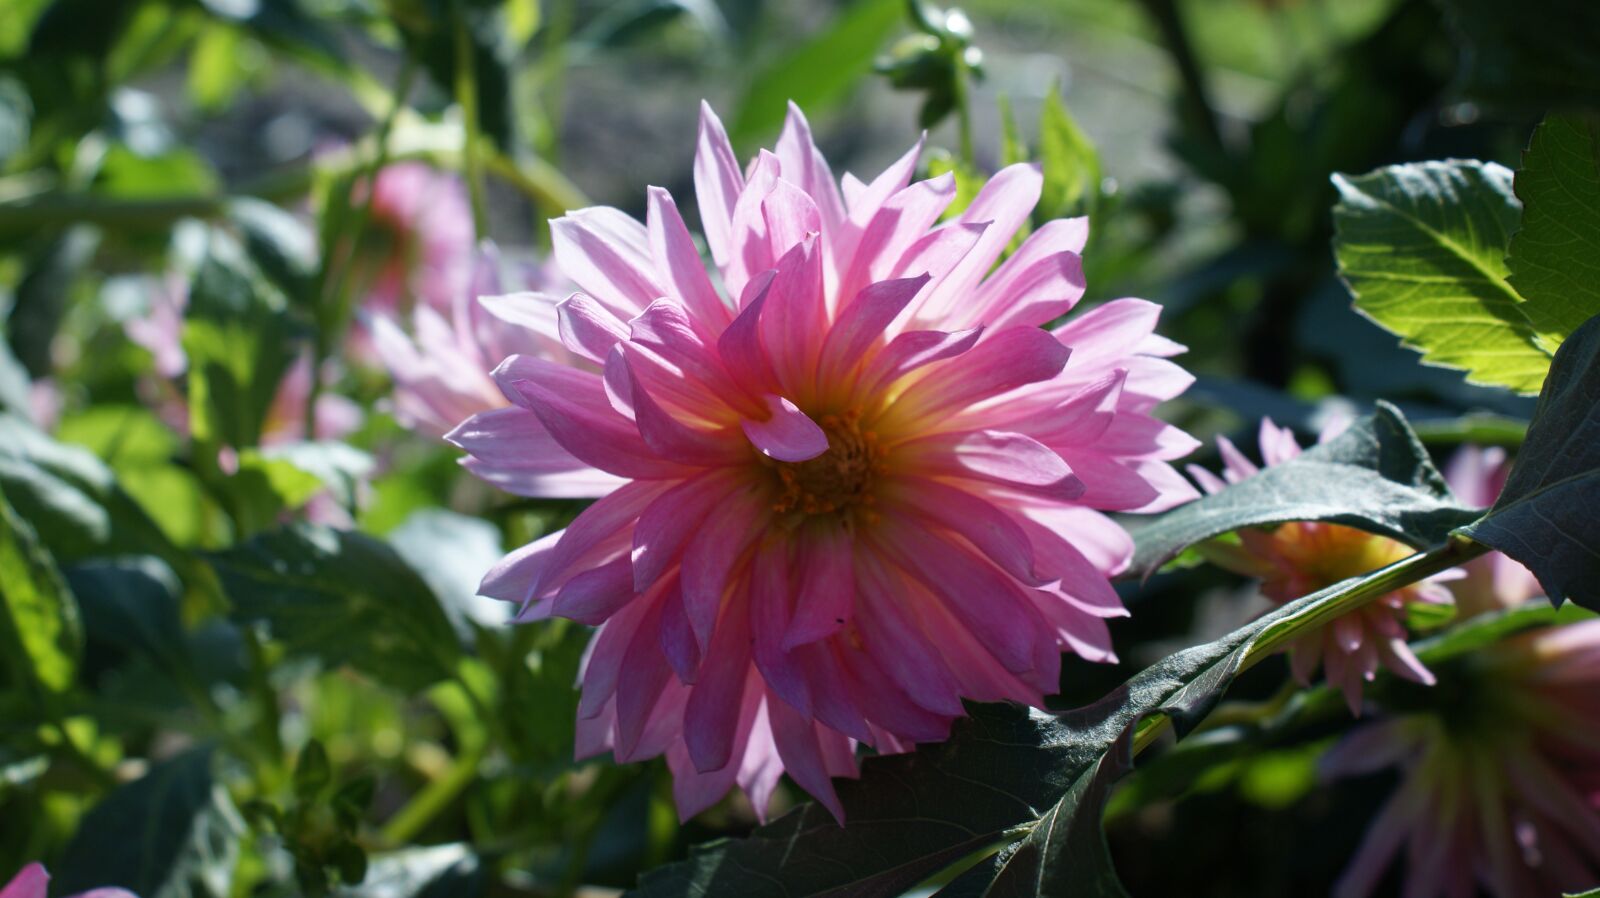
<point x="1499" y="790"/>
<point x="32" y="882"/>
<point x="441" y="370"/>
<point x="1493" y="581"/>
<point x="1301" y="557"/>
<point x="859" y="483"/>
<point x="417" y="245"/>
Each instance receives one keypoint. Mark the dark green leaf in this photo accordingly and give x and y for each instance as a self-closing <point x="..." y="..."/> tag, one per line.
<point x="1376" y="476"/>
<point x="280" y="244"/>
<point x="1422" y="247"/>
<point x="315" y="587"/>
<point x="237" y="337"/>
<point x="42" y="296"/>
<point x="312" y="772"/>
<point x="172" y="833"/>
<point x="430" y="38"/>
<point x="818" y="73"/>
<point x="1028" y="786"/>
<point x="132" y="603"/>
<point x="438" y="871"/>
<point x="451" y="551"/>
<point x="1545" y="517"/>
<point x="1555" y="255"/>
<point x="39" y="629"/>
<point x="1528" y="57"/>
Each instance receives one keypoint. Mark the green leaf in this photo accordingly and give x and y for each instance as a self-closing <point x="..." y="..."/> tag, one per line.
<point x="522" y="20"/>
<point x="818" y="73"/>
<point x="128" y="175"/>
<point x="1376" y="476"/>
<point x="172" y="833"/>
<point x="39" y="629"/>
<point x="221" y="63"/>
<point x="451" y="551"/>
<point x="312" y="772"/>
<point x="74" y="501"/>
<point x="134" y="604"/>
<point x="237" y="337"/>
<point x="1545" y="516"/>
<point x="1422" y="247"/>
<point x="1024" y="788"/>
<point x="968" y="180"/>
<point x="1013" y="148"/>
<point x="16" y="117"/>
<point x="315" y="588"/>
<point x="437" y="871"/>
<point x="1555" y="255"/>
<point x="1071" y="163"/>
<point x="1527" y="58"/>
<point x="280" y="244"/>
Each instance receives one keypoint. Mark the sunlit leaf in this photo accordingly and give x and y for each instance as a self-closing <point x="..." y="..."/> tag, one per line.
<point x="1422" y="246"/>
<point x="1071" y="163"/>
<point x="39" y="629"/>
<point x="1555" y="255"/>
<point x="1545" y="517"/>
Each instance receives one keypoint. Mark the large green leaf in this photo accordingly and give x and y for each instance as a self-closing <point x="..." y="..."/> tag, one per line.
<point x="1422" y="246"/>
<point x="132" y="603"/>
<point x="39" y="630"/>
<point x="1376" y="475"/>
<point x="343" y="597"/>
<point x="172" y="833"/>
<point x="1023" y="788"/>
<point x="1555" y="255"/>
<point x="1546" y="515"/>
<point x="74" y="501"/>
<point x="237" y="337"/>
<point x="818" y="72"/>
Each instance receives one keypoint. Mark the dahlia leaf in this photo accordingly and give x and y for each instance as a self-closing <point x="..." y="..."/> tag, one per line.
<point x="1376" y="476"/>
<point x="236" y="336"/>
<point x="173" y="831"/>
<point x="1545" y="517"/>
<point x="1422" y="248"/>
<point x="39" y="630"/>
<point x="1025" y="788"/>
<point x="1071" y="163"/>
<point x="315" y="587"/>
<point x="1555" y="255"/>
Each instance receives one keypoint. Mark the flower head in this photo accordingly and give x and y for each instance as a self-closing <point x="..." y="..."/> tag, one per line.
<point x="1498" y="789"/>
<point x="33" y="882"/>
<point x="1301" y="557"/>
<point x="441" y="369"/>
<point x="1492" y="581"/>
<point x="858" y="482"/>
<point x="417" y="246"/>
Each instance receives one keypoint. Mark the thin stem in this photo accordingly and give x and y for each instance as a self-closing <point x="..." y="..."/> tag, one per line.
<point x="963" y="92"/>
<point x="330" y="291"/>
<point x="466" y="78"/>
<point x="417" y="813"/>
<point x="1196" y="98"/>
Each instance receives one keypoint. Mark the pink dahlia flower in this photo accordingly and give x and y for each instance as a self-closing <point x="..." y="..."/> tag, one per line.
<point x="1498" y="791"/>
<point x="1492" y="581"/>
<point x="418" y="241"/>
<point x="33" y="882"/>
<point x="441" y="369"/>
<point x="1301" y="557"/>
<point x="860" y="482"/>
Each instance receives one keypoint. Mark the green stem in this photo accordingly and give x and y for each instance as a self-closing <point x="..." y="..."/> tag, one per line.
<point x="466" y="78"/>
<point x="963" y="93"/>
<point x="1354" y="594"/>
<point x="1196" y="98"/>
<point x="330" y="298"/>
<point x="417" y="813"/>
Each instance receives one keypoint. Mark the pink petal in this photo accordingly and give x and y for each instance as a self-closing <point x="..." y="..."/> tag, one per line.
<point x="827" y="588"/>
<point x="901" y="221"/>
<point x="588" y="330"/>
<point x="865" y="320"/>
<point x="796" y="739"/>
<point x="1109" y="332"/>
<point x="1004" y="202"/>
<point x="598" y="534"/>
<point x="511" y="449"/>
<point x="30" y="882"/>
<point x="670" y="438"/>
<point x="794" y="317"/>
<point x="664" y="528"/>
<point x="677" y="637"/>
<point x="761" y="768"/>
<point x="787" y="435"/>
<point x="912" y="350"/>
<point x="1010" y="459"/>
<point x="989" y="529"/>
<point x="1004" y="362"/>
<point x="678" y="264"/>
<point x="740" y="346"/>
<point x="771" y="600"/>
<point x="890" y="630"/>
<point x="607" y="254"/>
<point x="717" y="185"/>
<point x="1041" y="281"/>
<point x="515" y="577"/>
<point x="711" y="555"/>
<point x="750" y="244"/>
<point x="804" y="164"/>
<point x="712" y="714"/>
<point x="791" y="216"/>
<point x="595" y="594"/>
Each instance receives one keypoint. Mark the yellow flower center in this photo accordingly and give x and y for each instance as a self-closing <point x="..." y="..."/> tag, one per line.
<point x="839" y="480"/>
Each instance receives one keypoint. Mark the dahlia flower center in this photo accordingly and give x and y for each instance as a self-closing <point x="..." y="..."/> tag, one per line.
<point x="840" y="479"/>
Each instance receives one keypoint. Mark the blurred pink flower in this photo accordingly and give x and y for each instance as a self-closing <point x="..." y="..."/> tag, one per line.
<point x="1301" y="557"/>
<point x="417" y="245"/>
<point x="1499" y="790"/>
<point x="441" y="370"/>
<point x="1493" y="581"/>
<point x="32" y="882"/>
<point x="860" y="485"/>
<point x="161" y="332"/>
